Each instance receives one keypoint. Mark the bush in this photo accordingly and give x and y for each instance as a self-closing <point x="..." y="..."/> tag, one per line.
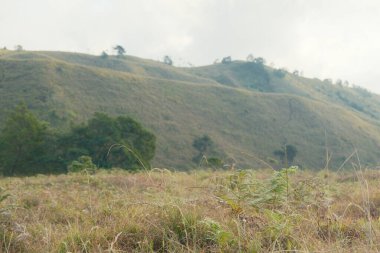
<point x="84" y="163"/>
<point x="215" y="162"/>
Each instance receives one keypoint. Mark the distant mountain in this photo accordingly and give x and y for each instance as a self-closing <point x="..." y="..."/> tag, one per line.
<point x="249" y="110"/>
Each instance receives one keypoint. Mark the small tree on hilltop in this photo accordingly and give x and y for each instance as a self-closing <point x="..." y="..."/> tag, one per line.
<point x="227" y="60"/>
<point x="120" y="51"/>
<point x="168" y="60"/>
<point x="260" y="60"/>
<point x="250" y="58"/>
<point x="104" y="55"/>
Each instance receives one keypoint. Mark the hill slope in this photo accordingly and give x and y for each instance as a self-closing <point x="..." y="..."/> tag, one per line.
<point x="246" y="109"/>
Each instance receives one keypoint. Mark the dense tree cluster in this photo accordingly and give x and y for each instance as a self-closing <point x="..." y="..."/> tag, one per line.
<point x="111" y="142"/>
<point x="29" y="146"/>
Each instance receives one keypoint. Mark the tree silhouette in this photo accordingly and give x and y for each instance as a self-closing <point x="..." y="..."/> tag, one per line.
<point x="287" y="153"/>
<point x="168" y="60"/>
<point x="119" y="50"/>
<point x="227" y="60"/>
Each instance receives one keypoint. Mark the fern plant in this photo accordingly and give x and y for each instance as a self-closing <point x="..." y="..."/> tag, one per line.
<point x="243" y="188"/>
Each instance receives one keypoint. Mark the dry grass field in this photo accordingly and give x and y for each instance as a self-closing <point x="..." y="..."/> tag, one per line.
<point x="198" y="211"/>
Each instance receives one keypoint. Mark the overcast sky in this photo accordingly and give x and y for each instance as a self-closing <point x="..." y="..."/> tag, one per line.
<point x="323" y="38"/>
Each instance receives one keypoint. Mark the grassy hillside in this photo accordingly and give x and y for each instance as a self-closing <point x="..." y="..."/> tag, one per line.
<point x="248" y="116"/>
<point x="265" y="79"/>
<point x="201" y="211"/>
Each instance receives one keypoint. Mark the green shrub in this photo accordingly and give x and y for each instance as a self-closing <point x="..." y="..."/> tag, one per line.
<point x="84" y="163"/>
<point x="215" y="162"/>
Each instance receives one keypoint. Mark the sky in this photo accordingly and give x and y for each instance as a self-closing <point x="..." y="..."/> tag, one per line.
<point x="337" y="39"/>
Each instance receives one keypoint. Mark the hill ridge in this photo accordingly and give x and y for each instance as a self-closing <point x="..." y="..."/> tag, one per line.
<point x="179" y="104"/>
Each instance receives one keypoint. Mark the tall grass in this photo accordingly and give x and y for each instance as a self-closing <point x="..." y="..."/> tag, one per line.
<point x="200" y="211"/>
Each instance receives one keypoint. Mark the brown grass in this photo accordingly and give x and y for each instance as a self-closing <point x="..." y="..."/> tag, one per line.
<point x="163" y="211"/>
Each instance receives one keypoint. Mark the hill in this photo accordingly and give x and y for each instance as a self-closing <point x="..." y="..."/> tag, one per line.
<point x="249" y="110"/>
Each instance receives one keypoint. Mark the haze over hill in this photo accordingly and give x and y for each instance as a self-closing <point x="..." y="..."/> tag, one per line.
<point x="248" y="109"/>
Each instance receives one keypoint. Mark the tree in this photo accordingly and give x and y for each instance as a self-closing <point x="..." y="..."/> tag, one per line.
<point x="26" y="145"/>
<point x="104" y="55"/>
<point x="250" y="58"/>
<point x="120" y="51"/>
<point x="168" y="60"/>
<point x="110" y="142"/>
<point x="227" y="60"/>
<point x="260" y="60"/>
<point x="287" y="153"/>
<point x="19" y="48"/>
<point x="203" y="145"/>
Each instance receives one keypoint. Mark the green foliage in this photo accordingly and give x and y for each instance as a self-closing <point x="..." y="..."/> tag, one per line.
<point x="277" y="191"/>
<point x="253" y="75"/>
<point x="216" y="234"/>
<point x="280" y="230"/>
<point x="243" y="188"/>
<point x="84" y="163"/>
<point x="27" y="145"/>
<point x="190" y="229"/>
<point x="3" y="196"/>
<point x="203" y="144"/>
<point x="111" y="142"/>
<point x="215" y="162"/>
